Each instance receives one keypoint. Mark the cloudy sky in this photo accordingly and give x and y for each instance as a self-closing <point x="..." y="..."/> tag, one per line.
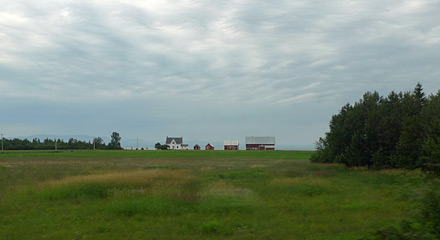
<point x="206" y="70"/>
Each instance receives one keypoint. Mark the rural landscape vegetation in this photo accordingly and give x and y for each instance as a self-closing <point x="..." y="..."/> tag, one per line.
<point x="364" y="181"/>
<point x="60" y="144"/>
<point x="240" y="120"/>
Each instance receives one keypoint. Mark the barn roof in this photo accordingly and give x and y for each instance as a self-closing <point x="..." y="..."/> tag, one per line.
<point x="260" y="140"/>
<point x="178" y="140"/>
<point x="231" y="142"/>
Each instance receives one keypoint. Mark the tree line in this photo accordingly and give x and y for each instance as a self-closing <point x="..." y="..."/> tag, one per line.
<point x="60" y="144"/>
<point x="401" y="130"/>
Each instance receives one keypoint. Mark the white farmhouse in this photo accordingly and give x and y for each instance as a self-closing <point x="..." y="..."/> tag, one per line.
<point x="176" y="143"/>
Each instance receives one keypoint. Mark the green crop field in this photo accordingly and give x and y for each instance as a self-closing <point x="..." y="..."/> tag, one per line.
<point x="195" y="195"/>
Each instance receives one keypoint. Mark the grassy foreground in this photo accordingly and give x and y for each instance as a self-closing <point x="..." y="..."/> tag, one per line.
<point x="195" y="195"/>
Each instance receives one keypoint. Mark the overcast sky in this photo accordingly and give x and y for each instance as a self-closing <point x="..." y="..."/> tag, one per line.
<point x="206" y="70"/>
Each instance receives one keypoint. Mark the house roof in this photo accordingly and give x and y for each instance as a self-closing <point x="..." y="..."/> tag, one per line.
<point x="178" y="140"/>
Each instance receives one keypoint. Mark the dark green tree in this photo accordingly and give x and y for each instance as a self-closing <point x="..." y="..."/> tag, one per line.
<point x="99" y="143"/>
<point x="115" y="142"/>
<point x="410" y="145"/>
<point x="430" y="118"/>
<point x="157" y="146"/>
<point x="399" y="131"/>
<point x="388" y="130"/>
<point x="47" y="144"/>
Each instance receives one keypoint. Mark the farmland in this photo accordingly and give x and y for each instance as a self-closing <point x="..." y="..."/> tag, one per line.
<point x="196" y="195"/>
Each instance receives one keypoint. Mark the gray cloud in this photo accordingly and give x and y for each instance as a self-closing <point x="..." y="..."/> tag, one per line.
<point x="209" y="66"/>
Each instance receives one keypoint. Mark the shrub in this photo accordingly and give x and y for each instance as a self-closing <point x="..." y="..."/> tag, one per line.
<point x="424" y="226"/>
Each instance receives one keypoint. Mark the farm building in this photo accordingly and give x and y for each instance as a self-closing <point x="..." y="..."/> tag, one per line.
<point x="176" y="143"/>
<point x="209" y="147"/>
<point x="260" y="143"/>
<point x="196" y="147"/>
<point x="231" y="145"/>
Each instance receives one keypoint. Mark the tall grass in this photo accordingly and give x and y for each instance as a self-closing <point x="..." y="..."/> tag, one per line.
<point x="117" y="183"/>
<point x="197" y="198"/>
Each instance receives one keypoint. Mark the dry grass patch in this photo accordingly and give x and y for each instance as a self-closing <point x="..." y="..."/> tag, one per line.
<point x="328" y="165"/>
<point x="206" y="169"/>
<point x="396" y="172"/>
<point x="172" y="177"/>
<point x="223" y="189"/>
<point x="258" y="166"/>
<point x="122" y="184"/>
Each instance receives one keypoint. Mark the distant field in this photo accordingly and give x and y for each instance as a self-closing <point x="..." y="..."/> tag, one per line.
<point x="195" y="195"/>
<point x="241" y="154"/>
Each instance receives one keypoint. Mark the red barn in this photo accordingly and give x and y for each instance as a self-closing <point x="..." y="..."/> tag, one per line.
<point x="231" y="145"/>
<point x="209" y="147"/>
<point x="260" y="143"/>
<point x="197" y="147"/>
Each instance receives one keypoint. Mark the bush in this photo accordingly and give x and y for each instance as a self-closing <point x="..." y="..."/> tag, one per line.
<point x="424" y="226"/>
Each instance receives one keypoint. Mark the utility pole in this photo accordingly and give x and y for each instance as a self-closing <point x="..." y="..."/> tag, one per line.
<point x="94" y="146"/>
<point x="55" y="144"/>
<point x="2" y="140"/>
<point x="137" y="143"/>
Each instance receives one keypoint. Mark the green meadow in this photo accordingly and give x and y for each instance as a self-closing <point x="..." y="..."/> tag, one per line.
<point x="196" y="195"/>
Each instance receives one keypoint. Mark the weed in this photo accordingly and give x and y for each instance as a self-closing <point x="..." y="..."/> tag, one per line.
<point x="324" y="173"/>
<point x="252" y="174"/>
<point x="313" y="168"/>
<point x="79" y="191"/>
<point x="225" y="204"/>
<point x="157" y="166"/>
<point x="361" y="205"/>
<point x="210" y="227"/>
<point x="147" y="205"/>
<point x="309" y="190"/>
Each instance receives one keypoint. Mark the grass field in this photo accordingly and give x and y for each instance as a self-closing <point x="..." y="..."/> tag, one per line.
<point x="195" y="195"/>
